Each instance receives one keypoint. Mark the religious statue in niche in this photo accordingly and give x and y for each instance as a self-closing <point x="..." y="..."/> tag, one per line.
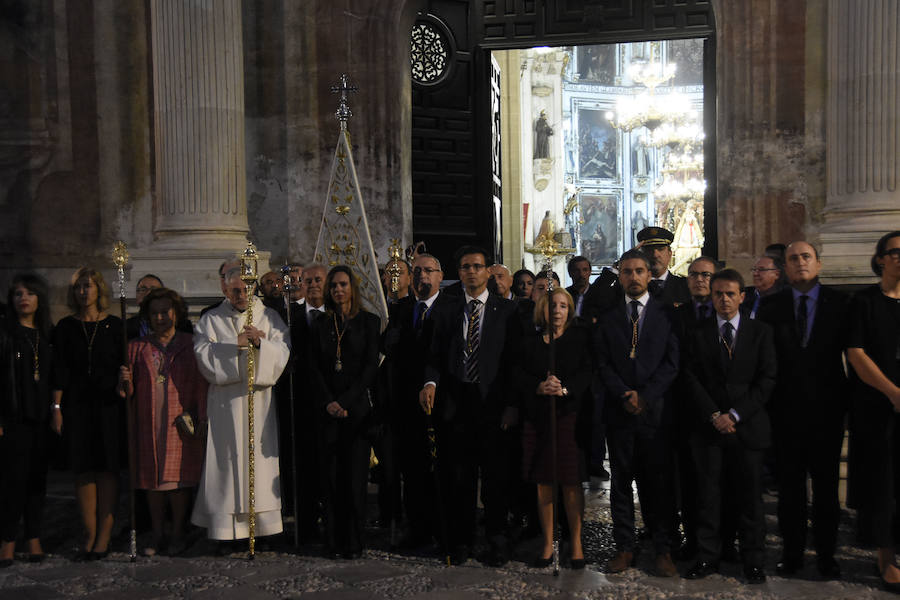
<point x="542" y="133"/>
<point x="688" y="238"/>
<point x="640" y="160"/>
<point x="638" y="222"/>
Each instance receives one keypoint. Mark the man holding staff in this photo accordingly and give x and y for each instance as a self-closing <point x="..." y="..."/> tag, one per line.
<point x="221" y="342"/>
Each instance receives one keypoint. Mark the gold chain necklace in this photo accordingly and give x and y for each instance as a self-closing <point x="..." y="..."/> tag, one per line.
<point x="338" y="365"/>
<point x="34" y="349"/>
<point x="90" y="341"/>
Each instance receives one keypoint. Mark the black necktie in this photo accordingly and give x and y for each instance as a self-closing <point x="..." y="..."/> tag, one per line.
<point x="419" y="314"/>
<point x="702" y="311"/>
<point x="802" y="319"/>
<point x="728" y="337"/>
<point x="472" y="338"/>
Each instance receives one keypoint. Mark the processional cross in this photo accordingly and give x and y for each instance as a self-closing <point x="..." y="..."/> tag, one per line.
<point x="343" y="112"/>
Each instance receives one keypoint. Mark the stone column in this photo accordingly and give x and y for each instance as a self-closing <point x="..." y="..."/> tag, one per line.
<point x="863" y="139"/>
<point x="198" y="92"/>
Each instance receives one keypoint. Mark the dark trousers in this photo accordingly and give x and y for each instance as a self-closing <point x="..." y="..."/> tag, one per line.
<point x="475" y="446"/>
<point x="729" y="465"/>
<point x="817" y="454"/>
<point x="386" y="450"/>
<point x="646" y="460"/>
<point x="417" y="470"/>
<point x="686" y="484"/>
<point x="23" y="479"/>
<point x="344" y="459"/>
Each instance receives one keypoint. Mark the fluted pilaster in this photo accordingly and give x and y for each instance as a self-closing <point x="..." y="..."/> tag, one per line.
<point x="198" y="88"/>
<point x="863" y="161"/>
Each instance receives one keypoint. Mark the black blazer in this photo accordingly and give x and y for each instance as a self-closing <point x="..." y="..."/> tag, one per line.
<point x="652" y="371"/>
<point x="743" y="383"/>
<point x="445" y="365"/>
<point x="605" y="291"/>
<point x="359" y="359"/>
<point x="811" y="386"/>
<point x="675" y="290"/>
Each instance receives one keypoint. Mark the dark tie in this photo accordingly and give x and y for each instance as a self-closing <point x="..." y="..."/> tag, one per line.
<point x="656" y="286"/>
<point x="419" y="315"/>
<point x="702" y="311"/>
<point x="472" y="339"/>
<point x="802" y="319"/>
<point x="728" y="337"/>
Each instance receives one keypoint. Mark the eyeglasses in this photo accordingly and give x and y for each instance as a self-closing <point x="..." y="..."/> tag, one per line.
<point x="761" y="269"/>
<point x="893" y="253"/>
<point x="700" y="274"/>
<point x="426" y="270"/>
<point x="468" y="267"/>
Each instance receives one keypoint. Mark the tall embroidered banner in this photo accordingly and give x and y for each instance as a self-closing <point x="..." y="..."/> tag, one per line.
<point x="344" y="234"/>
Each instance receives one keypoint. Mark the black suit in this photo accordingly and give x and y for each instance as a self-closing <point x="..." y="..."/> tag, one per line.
<point x="808" y="410"/>
<point x="405" y="344"/>
<point x="674" y="290"/>
<point x="686" y="319"/>
<point x="468" y="418"/>
<point x="717" y="383"/>
<point x="639" y="444"/>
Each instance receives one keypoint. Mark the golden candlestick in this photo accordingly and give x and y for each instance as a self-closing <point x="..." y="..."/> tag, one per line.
<point x="393" y="267"/>
<point x="249" y="259"/>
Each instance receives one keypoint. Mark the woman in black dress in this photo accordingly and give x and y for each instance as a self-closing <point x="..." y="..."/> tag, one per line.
<point x="567" y="380"/>
<point x="24" y="415"/>
<point x="873" y="349"/>
<point x="87" y="355"/>
<point x="345" y="350"/>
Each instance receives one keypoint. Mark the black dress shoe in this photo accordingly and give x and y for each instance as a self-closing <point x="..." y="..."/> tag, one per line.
<point x="459" y="555"/>
<point x="540" y="562"/>
<point x="496" y="558"/>
<point x="788" y="567"/>
<point x="5" y="563"/>
<point x="754" y="575"/>
<point x="355" y="554"/>
<point x="888" y="586"/>
<point x="686" y="551"/>
<point x="828" y="568"/>
<point x="702" y="569"/>
<point x="98" y="555"/>
<point x="36" y="558"/>
<point x="730" y="554"/>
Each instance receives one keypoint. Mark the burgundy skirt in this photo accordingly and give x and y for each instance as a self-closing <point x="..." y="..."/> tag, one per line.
<point x="537" y="457"/>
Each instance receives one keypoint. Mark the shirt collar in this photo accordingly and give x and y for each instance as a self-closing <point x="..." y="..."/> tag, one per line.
<point x="429" y="301"/>
<point x="311" y="308"/>
<point x="483" y="296"/>
<point x="813" y="293"/>
<point x="643" y="299"/>
<point x="663" y="277"/>
<point x="735" y="321"/>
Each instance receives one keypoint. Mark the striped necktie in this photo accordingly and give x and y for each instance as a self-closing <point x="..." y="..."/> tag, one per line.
<point x="473" y="334"/>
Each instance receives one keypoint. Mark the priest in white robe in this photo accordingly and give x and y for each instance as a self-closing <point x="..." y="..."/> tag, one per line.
<point x="221" y="339"/>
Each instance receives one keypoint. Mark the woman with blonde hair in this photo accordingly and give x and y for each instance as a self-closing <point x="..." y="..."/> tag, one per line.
<point x="86" y="408"/>
<point x="565" y="375"/>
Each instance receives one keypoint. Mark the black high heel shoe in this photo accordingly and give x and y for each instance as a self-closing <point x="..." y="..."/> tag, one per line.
<point x="540" y="562"/>
<point x="576" y="564"/>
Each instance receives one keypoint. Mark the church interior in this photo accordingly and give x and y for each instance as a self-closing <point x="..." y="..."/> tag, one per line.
<point x="185" y="128"/>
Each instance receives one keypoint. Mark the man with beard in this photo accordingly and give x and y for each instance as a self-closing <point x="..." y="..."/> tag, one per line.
<point x="637" y="354"/>
<point x="405" y="345"/>
<point x="666" y="287"/>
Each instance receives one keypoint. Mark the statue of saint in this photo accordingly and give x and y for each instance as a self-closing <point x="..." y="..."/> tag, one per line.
<point x="542" y="133"/>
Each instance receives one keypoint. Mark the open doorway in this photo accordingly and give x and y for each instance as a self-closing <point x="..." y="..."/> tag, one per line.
<point x="599" y="141"/>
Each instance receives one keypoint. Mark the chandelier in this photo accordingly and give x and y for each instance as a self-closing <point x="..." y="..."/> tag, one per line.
<point x="647" y="109"/>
